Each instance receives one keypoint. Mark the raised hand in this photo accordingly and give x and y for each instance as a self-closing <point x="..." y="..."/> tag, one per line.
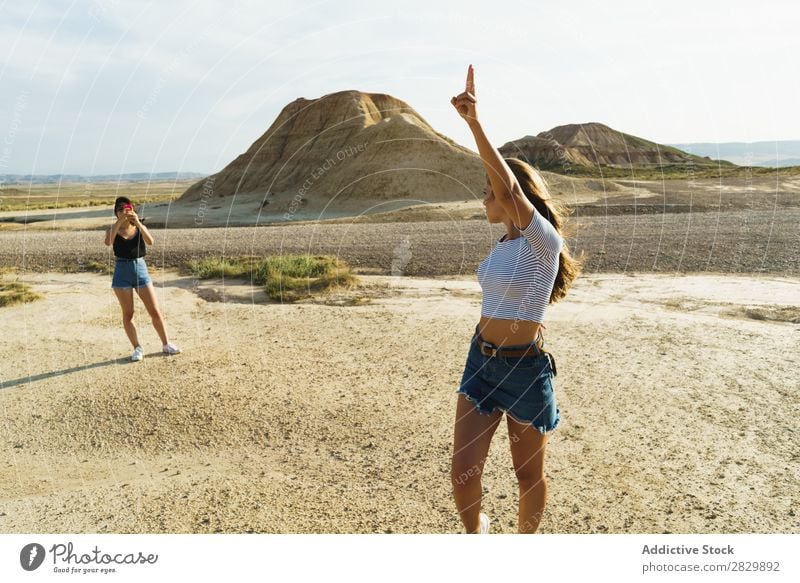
<point x="466" y="103"/>
<point x="132" y="217"/>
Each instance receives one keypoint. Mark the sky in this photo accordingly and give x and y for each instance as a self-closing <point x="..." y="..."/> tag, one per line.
<point x="113" y="86"/>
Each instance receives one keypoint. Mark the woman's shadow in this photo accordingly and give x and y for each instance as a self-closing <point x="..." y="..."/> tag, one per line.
<point x="48" y="375"/>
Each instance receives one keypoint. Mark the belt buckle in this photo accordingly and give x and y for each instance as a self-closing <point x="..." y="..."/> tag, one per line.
<point x="492" y="348"/>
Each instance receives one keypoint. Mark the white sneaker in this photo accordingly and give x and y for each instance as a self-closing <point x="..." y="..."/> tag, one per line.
<point x="138" y="354"/>
<point x="484" y="523"/>
<point x="170" y="348"/>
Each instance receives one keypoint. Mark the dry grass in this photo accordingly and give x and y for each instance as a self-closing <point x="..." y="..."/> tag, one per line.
<point x="285" y="278"/>
<point x="70" y="195"/>
<point x="91" y="266"/>
<point x="775" y="314"/>
<point x="16" y="292"/>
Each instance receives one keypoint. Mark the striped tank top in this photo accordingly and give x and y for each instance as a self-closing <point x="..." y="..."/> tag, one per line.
<point x="517" y="276"/>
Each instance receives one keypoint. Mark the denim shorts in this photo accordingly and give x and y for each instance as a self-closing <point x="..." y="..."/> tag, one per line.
<point x="130" y="273"/>
<point x="522" y="386"/>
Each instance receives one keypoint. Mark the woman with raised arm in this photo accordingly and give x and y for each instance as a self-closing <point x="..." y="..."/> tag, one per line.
<point x="130" y="238"/>
<point x="507" y="369"/>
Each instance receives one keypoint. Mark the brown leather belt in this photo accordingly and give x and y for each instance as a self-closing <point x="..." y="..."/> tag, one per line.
<point x="489" y="349"/>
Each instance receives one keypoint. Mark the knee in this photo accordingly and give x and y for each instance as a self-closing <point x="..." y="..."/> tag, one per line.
<point x="529" y="478"/>
<point x="127" y="316"/>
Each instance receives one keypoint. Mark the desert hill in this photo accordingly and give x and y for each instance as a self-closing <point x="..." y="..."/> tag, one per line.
<point x="582" y="149"/>
<point x="344" y="146"/>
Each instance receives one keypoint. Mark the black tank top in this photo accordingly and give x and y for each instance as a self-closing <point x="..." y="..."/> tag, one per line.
<point x="130" y="248"/>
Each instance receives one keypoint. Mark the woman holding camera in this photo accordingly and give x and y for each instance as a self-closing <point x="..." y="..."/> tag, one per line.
<point x="130" y="238"/>
<point x="507" y="368"/>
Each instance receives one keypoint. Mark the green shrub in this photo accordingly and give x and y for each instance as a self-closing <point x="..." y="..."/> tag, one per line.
<point x="209" y="267"/>
<point x="285" y="278"/>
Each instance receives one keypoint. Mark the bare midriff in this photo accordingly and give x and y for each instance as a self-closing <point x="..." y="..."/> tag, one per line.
<point x="508" y="332"/>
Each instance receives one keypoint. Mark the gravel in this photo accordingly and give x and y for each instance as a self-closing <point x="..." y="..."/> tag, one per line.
<point x="744" y="241"/>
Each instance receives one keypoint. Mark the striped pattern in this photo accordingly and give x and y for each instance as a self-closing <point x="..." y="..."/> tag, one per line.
<point x="517" y="276"/>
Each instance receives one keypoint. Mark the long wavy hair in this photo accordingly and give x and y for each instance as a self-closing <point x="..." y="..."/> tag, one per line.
<point x="535" y="188"/>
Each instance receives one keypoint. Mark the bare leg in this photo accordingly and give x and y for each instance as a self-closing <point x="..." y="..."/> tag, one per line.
<point x="148" y="296"/>
<point x="125" y="297"/>
<point x="527" y="452"/>
<point x="472" y="436"/>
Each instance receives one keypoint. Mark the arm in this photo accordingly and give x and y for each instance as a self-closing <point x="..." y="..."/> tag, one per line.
<point x="148" y="238"/>
<point x="111" y="232"/>
<point x="505" y="186"/>
<point x="539" y="231"/>
<point x="134" y="219"/>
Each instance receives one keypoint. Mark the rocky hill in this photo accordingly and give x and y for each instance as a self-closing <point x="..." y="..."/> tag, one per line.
<point x="590" y="148"/>
<point x="348" y="145"/>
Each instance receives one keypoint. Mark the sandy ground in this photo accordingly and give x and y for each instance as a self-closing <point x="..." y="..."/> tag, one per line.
<point x="678" y="397"/>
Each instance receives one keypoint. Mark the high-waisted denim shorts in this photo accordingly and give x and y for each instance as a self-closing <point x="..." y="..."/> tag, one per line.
<point x="522" y="386"/>
<point x="130" y="273"/>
